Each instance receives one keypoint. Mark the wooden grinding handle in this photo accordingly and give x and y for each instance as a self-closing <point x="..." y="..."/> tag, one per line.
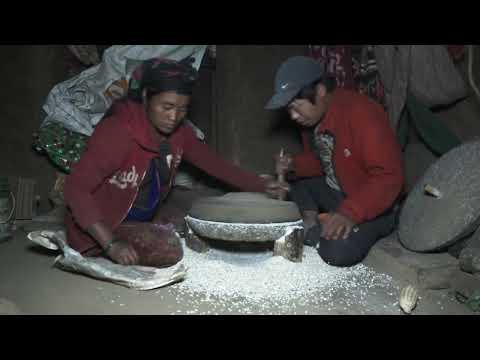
<point x="282" y="195"/>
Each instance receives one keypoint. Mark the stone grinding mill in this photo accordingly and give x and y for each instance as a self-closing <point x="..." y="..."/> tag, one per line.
<point x="246" y="217"/>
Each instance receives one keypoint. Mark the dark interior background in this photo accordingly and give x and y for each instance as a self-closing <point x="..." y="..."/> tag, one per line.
<point x="228" y="106"/>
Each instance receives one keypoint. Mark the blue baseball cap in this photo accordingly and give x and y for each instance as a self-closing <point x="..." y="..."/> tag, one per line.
<point x="292" y="76"/>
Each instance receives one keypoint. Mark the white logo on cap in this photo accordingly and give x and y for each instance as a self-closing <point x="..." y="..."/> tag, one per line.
<point x="284" y="86"/>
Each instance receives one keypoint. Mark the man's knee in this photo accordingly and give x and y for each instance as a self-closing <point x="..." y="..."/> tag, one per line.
<point x="341" y="253"/>
<point x="354" y="249"/>
<point x="339" y="259"/>
<point x="303" y="184"/>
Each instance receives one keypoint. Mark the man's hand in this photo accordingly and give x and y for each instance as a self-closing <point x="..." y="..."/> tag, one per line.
<point x="283" y="163"/>
<point x="123" y="253"/>
<point x="267" y="177"/>
<point x="336" y="226"/>
<point x="275" y="188"/>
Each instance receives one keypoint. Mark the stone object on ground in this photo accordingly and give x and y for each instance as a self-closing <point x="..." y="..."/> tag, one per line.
<point x="290" y="246"/>
<point x="470" y="260"/>
<point x="246" y="217"/>
<point x="246" y="208"/>
<point x="251" y="217"/>
<point x="430" y="224"/>
<point x="238" y="232"/>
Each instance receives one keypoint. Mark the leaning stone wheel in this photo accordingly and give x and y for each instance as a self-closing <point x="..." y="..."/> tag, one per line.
<point x="435" y="221"/>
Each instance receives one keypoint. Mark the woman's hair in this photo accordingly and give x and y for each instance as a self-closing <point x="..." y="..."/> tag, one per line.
<point x="309" y="92"/>
<point x="159" y="75"/>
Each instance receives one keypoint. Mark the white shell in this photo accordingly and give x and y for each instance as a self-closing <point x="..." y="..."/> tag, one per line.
<point x="429" y="189"/>
<point x="408" y="298"/>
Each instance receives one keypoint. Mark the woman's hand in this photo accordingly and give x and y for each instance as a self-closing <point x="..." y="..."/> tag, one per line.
<point x="123" y="253"/>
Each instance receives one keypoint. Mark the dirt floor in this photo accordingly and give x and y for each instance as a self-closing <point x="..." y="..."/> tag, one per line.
<point x="29" y="284"/>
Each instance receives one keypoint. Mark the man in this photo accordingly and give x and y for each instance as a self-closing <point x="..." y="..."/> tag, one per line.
<point x="116" y="188"/>
<point x="348" y="178"/>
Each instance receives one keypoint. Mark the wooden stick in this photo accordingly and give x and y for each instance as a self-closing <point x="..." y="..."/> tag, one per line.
<point x="281" y="179"/>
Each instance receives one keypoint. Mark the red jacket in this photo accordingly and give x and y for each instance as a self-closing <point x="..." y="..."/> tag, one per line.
<point x="367" y="158"/>
<point x="104" y="184"/>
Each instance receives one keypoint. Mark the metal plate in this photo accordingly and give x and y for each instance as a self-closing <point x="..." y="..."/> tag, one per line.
<point x="430" y="224"/>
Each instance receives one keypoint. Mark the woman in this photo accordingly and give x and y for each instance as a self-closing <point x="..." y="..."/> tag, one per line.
<point x="126" y="172"/>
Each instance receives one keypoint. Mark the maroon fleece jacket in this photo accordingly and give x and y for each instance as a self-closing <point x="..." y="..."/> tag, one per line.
<point x="367" y="157"/>
<point x="104" y="184"/>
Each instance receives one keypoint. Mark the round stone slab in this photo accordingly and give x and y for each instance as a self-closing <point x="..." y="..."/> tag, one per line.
<point x="434" y="222"/>
<point x="240" y="232"/>
<point x="245" y="208"/>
